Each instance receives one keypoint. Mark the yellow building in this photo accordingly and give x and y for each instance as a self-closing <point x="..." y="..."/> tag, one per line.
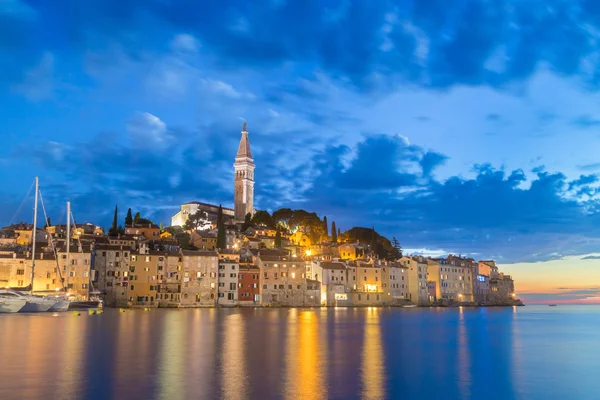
<point x="203" y="240"/>
<point x="417" y="279"/>
<point x="24" y="234"/>
<point x="143" y="269"/>
<point x="15" y="271"/>
<point x="300" y="238"/>
<point x="365" y="283"/>
<point x="76" y="274"/>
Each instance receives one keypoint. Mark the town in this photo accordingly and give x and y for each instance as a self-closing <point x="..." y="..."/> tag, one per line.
<point x="215" y="256"/>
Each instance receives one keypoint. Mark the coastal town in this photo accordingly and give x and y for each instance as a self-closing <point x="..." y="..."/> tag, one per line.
<point x="213" y="256"/>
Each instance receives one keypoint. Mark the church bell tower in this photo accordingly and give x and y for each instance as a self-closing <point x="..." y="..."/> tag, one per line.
<point x="244" y="178"/>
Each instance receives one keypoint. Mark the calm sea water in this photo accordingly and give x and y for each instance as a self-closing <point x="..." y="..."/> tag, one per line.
<point x="533" y="352"/>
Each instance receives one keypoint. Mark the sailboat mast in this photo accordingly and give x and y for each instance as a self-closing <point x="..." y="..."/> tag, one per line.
<point x="68" y="245"/>
<point x="35" y="209"/>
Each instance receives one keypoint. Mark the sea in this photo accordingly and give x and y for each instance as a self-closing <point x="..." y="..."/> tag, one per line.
<point x="531" y="352"/>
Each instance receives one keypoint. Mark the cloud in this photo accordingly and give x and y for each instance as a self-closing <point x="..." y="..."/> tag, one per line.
<point x="224" y="89"/>
<point x="185" y="43"/>
<point x="591" y="258"/>
<point x="147" y="130"/>
<point x="585" y="121"/>
<point x="37" y="83"/>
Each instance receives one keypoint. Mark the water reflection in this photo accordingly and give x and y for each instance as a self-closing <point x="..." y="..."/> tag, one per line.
<point x="233" y="364"/>
<point x="170" y="365"/>
<point x="464" y="362"/>
<point x="373" y="363"/>
<point x="262" y="354"/>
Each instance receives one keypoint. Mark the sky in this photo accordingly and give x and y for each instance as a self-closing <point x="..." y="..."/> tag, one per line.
<point x="467" y="126"/>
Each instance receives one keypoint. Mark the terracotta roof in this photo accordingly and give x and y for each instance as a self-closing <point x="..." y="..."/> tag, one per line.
<point x="332" y="265"/>
<point x="199" y="253"/>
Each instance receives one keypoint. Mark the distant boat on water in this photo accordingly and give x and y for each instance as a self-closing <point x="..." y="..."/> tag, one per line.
<point x="552" y="305"/>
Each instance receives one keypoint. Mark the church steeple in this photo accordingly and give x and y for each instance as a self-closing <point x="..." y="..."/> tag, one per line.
<point x="244" y="148"/>
<point x="244" y="178"/>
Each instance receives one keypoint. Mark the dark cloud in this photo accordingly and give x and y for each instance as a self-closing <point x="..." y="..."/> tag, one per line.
<point x="591" y="258"/>
<point x="425" y="42"/>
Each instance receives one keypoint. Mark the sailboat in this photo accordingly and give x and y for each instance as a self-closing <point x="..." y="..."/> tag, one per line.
<point x="10" y="302"/>
<point x="33" y="303"/>
<point x="92" y="302"/>
<point x="62" y="301"/>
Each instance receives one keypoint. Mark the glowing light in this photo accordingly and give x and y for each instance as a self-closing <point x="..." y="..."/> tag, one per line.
<point x="308" y="252"/>
<point x="341" y="296"/>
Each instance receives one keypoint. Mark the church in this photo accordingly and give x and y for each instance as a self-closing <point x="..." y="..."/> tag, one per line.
<point x="243" y="189"/>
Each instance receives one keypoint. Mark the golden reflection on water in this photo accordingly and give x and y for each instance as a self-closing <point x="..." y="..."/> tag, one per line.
<point x="373" y="366"/>
<point x="306" y="377"/>
<point x="171" y="357"/>
<point x="71" y="351"/>
<point x="233" y="364"/>
<point x="464" y="357"/>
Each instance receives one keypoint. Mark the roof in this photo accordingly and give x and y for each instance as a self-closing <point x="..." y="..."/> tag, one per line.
<point x="104" y="246"/>
<point x="199" y="253"/>
<point x="332" y="265"/>
<point x="208" y="205"/>
<point x="244" y="147"/>
<point x="269" y="252"/>
<point x="205" y="234"/>
<point x="122" y="237"/>
<point x="252" y="268"/>
<point x="312" y="281"/>
<point x="278" y="258"/>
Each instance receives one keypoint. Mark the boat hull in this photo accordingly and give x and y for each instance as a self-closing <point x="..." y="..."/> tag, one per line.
<point x="85" y="305"/>
<point x="34" y="306"/>
<point x="61" y="305"/>
<point x="12" y="305"/>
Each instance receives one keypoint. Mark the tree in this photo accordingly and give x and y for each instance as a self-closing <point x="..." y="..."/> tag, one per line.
<point x="325" y="226"/>
<point x="339" y="235"/>
<point x="247" y="222"/>
<point x="334" y="234"/>
<point x="137" y="218"/>
<point x="263" y="218"/>
<point x="197" y="220"/>
<point x="397" y="250"/>
<point x="278" y="239"/>
<point x="129" y="218"/>
<point x="113" y="231"/>
<point x="221" y="240"/>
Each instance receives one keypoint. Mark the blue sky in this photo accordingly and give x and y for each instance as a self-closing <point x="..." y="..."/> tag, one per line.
<point x="469" y="127"/>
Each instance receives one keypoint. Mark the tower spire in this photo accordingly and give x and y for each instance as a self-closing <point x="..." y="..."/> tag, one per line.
<point x="244" y="178"/>
<point x="244" y="148"/>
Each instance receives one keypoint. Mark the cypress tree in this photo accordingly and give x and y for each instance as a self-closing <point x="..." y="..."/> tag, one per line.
<point x="129" y="218"/>
<point x="278" y="239"/>
<point x="326" y="227"/>
<point x="114" y="229"/>
<point x="334" y="234"/>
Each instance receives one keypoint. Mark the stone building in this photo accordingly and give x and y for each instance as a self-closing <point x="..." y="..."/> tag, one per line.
<point x="199" y="283"/>
<point x="76" y="269"/>
<point x="244" y="178"/>
<point x="111" y="263"/>
<point x="283" y="280"/>
<point x="395" y="282"/>
<point x="334" y="279"/>
<point x="452" y="281"/>
<point x="417" y="279"/>
<point x="169" y="273"/>
<point x="229" y="266"/>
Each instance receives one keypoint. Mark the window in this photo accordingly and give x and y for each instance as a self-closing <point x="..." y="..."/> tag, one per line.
<point x="133" y="258"/>
<point x="131" y="287"/>
<point x="84" y="286"/>
<point x="293" y="275"/>
<point x="70" y="286"/>
<point x="230" y="296"/>
<point x="264" y="286"/>
<point x="20" y="272"/>
<point x="212" y="285"/>
<point x="71" y="274"/>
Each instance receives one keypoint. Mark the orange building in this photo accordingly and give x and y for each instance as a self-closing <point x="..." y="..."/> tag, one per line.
<point x="249" y="284"/>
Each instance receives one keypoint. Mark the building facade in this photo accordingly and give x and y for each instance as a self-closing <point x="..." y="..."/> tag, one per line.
<point x="200" y="279"/>
<point x="229" y="266"/>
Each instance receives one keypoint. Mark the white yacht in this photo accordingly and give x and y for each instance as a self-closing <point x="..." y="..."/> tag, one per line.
<point x="33" y="303"/>
<point x="10" y="303"/>
<point x="61" y="304"/>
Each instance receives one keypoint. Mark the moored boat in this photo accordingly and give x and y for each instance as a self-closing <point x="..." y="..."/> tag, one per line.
<point x="10" y="303"/>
